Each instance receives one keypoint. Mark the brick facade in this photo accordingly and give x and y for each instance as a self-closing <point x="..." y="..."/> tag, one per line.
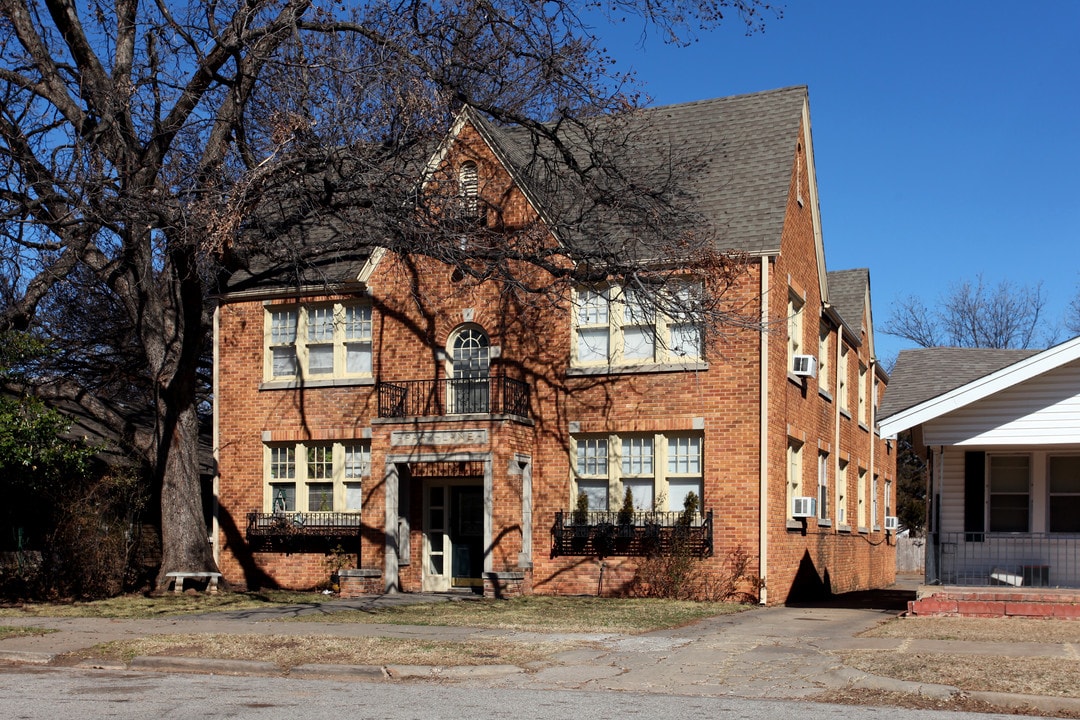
<point x="523" y="466"/>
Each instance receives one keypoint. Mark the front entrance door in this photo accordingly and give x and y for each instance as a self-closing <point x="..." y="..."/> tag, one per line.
<point x="453" y="536"/>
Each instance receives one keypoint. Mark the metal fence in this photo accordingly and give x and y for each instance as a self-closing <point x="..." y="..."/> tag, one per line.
<point x="605" y="533"/>
<point x="435" y="398"/>
<point x="1028" y="559"/>
<point x="320" y="524"/>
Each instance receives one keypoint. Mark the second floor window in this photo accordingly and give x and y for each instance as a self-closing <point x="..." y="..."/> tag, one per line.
<point x="615" y="326"/>
<point x="330" y="340"/>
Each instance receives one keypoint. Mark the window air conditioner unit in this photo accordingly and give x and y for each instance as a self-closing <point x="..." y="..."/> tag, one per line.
<point x="804" y="366"/>
<point x="892" y="522"/>
<point x="803" y="507"/>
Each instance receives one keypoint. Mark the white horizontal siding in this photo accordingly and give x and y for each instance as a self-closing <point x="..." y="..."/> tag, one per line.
<point x="1044" y="410"/>
<point x="951" y="509"/>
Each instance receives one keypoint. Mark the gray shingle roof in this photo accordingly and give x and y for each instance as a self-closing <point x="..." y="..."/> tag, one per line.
<point x="925" y="373"/>
<point x="847" y="294"/>
<point x="732" y="158"/>
<point x="741" y="150"/>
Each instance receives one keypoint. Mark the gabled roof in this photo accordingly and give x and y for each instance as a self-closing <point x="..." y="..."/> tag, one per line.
<point x="847" y="295"/>
<point x="743" y="148"/>
<point x="928" y="383"/>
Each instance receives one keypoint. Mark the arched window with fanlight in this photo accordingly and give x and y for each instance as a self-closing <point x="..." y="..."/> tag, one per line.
<point x="470" y="366"/>
<point x="469" y="189"/>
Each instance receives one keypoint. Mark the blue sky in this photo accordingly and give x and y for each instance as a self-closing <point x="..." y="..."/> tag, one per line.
<point x="946" y="134"/>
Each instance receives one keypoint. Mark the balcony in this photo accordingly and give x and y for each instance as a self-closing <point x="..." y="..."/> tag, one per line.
<point x="605" y="534"/>
<point x="497" y="395"/>
<point x="303" y="524"/>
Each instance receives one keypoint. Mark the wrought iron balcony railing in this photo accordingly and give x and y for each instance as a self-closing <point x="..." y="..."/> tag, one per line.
<point x="303" y="524"/>
<point x="647" y="533"/>
<point x="497" y="394"/>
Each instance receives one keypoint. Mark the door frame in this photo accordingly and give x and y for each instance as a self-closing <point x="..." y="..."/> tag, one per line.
<point x="444" y="582"/>
<point x="393" y="528"/>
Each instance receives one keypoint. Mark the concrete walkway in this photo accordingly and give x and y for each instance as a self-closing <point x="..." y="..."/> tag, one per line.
<point x="782" y="652"/>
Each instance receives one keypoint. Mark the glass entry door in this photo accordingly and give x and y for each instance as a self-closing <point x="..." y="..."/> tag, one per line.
<point x="453" y="536"/>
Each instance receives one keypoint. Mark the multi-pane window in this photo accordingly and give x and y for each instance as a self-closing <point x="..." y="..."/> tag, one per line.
<point x="319" y="341"/>
<point x="592" y="471"/>
<point x="469" y="188"/>
<point x="654" y="466"/>
<point x="327" y="477"/>
<point x="1064" y="486"/>
<point x="888" y="498"/>
<point x="684" y="474"/>
<point x="614" y="326"/>
<point x="823" y="485"/>
<point x="637" y="470"/>
<point x="1010" y="493"/>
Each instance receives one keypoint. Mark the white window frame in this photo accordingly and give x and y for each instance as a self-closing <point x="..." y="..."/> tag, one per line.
<point x="1071" y="493"/>
<point x="670" y="467"/>
<point x="824" y="361"/>
<point x="863" y="505"/>
<point x="823" y="485"/>
<point x="842" y="379"/>
<point x="618" y="311"/>
<point x="795" y="306"/>
<point x="841" y="492"/>
<point x="347" y="478"/>
<point x="344" y="327"/>
<point x="863" y="407"/>
<point x="794" y="472"/>
<point x="888" y="498"/>
<point x="991" y="460"/>
<point x="874" y="502"/>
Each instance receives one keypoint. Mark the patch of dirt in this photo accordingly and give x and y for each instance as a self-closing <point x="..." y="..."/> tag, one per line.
<point x="957" y="703"/>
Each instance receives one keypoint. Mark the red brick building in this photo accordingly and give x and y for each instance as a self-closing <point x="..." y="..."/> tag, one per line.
<point x="440" y="431"/>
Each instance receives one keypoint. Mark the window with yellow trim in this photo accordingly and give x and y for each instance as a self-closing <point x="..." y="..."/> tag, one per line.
<point x="319" y="341"/>
<point x="315" y="476"/>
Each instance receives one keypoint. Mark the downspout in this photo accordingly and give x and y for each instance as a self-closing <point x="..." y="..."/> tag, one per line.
<point x="215" y="525"/>
<point x="763" y="433"/>
<point x="873" y="444"/>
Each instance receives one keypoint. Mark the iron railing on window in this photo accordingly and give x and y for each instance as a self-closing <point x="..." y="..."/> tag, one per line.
<point x="303" y="524"/>
<point x="606" y="533"/>
<point x="497" y="394"/>
<point x="1017" y="559"/>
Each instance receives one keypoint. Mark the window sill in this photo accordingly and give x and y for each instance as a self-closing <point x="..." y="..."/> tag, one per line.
<point x="843" y="528"/>
<point x="824" y="522"/>
<point x="844" y="412"/>
<point x="795" y="525"/>
<point x="305" y="384"/>
<point x="863" y="427"/>
<point x="796" y="379"/>
<point x="825" y="394"/>
<point x="864" y="530"/>
<point x="587" y="371"/>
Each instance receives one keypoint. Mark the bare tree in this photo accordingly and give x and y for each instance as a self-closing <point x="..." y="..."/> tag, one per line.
<point x="138" y="139"/>
<point x="1072" y="317"/>
<point x="975" y="314"/>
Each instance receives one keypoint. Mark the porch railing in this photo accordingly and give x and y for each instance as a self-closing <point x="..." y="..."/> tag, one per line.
<point x="497" y="394"/>
<point x="1017" y="559"/>
<point x="607" y="533"/>
<point x="303" y="524"/>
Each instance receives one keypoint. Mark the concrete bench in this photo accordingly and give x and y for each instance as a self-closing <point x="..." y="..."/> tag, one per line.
<point x="178" y="579"/>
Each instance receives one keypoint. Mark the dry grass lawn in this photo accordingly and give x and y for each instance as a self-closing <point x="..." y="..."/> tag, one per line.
<point x="1000" y="630"/>
<point x="7" y="631"/>
<point x="986" y="671"/>
<point x="164" y="605"/>
<point x="542" y="613"/>
<point x="290" y="650"/>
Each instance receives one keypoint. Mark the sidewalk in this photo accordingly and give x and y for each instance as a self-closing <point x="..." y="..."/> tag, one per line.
<point x="782" y="652"/>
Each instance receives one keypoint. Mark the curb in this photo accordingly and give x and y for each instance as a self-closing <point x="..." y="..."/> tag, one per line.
<point x="342" y="672"/>
<point x="204" y="665"/>
<point x="849" y="677"/>
<point x="1042" y="703"/>
<point x="396" y="672"/>
<point x="27" y="657"/>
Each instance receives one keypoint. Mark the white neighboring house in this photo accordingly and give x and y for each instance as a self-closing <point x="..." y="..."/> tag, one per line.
<point x="1000" y="430"/>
